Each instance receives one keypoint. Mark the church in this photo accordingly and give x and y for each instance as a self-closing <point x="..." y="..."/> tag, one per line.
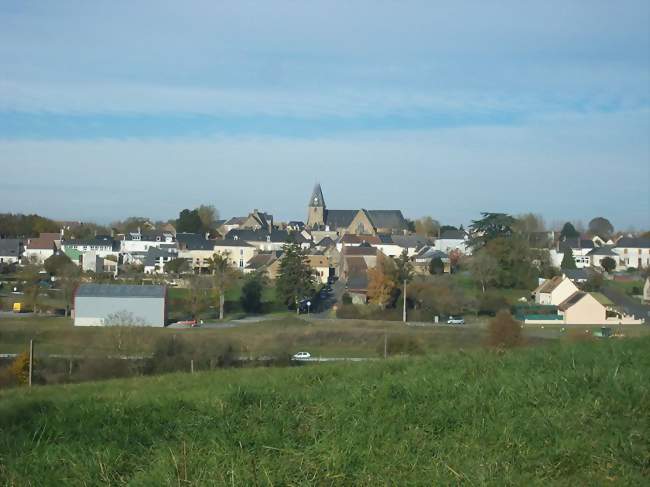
<point x="358" y="222"/>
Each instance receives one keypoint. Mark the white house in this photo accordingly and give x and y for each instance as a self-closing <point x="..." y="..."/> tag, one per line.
<point x="554" y="291"/>
<point x="40" y="249"/>
<point x="11" y="250"/>
<point x="634" y="252"/>
<point x="597" y="254"/>
<point x="646" y="290"/>
<point x="450" y="240"/>
<point x="135" y="242"/>
<point x="101" y="246"/>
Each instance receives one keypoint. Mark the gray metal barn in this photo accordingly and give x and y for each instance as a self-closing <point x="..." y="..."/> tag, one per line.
<point x="117" y="304"/>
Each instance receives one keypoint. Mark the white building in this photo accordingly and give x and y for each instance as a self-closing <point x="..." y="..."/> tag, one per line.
<point x="554" y="291"/>
<point x="633" y="252"/>
<point x="11" y="250"/>
<point x="451" y="240"/>
<point x="135" y="242"/>
<point x="101" y="246"/>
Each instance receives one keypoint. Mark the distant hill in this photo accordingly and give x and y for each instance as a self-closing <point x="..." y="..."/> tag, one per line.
<point x="563" y="414"/>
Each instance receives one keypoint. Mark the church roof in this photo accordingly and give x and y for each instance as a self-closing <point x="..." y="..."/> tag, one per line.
<point x="339" y="218"/>
<point x="317" y="200"/>
<point x="387" y="219"/>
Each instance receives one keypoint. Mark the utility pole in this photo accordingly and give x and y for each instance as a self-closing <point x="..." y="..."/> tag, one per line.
<point x="191" y="366"/>
<point x="404" y="310"/>
<point x="31" y="361"/>
<point x="385" y="344"/>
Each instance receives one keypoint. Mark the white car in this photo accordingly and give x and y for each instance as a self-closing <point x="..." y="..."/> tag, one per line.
<point x="455" y="321"/>
<point x="302" y="356"/>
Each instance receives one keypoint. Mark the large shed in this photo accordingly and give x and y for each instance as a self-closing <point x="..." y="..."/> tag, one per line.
<point x="117" y="304"/>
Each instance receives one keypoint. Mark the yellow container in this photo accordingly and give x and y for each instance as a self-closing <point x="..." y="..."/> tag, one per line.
<point x="17" y="307"/>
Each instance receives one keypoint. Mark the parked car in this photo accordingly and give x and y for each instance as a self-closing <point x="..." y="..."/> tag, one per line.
<point x="455" y="321"/>
<point x="301" y="356"/>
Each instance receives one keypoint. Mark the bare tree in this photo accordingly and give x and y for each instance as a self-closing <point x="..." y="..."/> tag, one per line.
<point x="223" y="277"/>
<point x="484" y="268"/>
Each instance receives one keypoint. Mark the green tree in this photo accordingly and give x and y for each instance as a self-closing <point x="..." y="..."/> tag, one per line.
<point x="602" y="227"/>
<point x="488" y="228"/>
<point x="251" y="297"/>
<point x="436" y="266"/>
<point x="177" y="266"/>
<point x="68" y="282"/>
<point x="30" y="278"/>
<point x="209" y="216"/>
<point x="198" y="295"/>
<point x="295" y="277"/>
<point x="427" y="226"/>
<point x="608" y="264"/>
<point x="515" y="262"/>
<point x="568" y="231"/>
<point x="568" y="262"/>
<point x="223" y="277"/>
<point x="403" y="268"/>
<point x="189" y="221"/>
<point x="57" y="263"/>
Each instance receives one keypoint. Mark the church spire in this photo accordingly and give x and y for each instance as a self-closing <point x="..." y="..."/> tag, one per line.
<point x="317" y="200"/>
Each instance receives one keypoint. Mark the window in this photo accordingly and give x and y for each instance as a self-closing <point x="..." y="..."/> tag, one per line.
<point x="241" y="251"/>
<point x="241" y="263"/>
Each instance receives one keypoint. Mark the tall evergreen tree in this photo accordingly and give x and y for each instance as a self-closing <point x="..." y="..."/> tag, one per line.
<point x="568" y="262"/>
<point x="568" y="231"/>
<point x="488" y="228"/>
<point x="295" y="279"/>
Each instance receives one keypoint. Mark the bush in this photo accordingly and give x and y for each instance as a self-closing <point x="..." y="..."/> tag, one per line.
<point x="504" y="331"/>
<point x="19" y="368"/>
<point x="102" y="368"/>
<point x="400" y="345"/>
<point x="7" y="378"/>
<point x="348" y="311"/>
<point x="492" y="302"/>
<point x="346" y="298"/>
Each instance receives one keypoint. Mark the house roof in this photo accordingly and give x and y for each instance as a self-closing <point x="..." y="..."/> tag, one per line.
<point x="98" y="242"/>
<point x="194" y="241"/>
<point x="358" y="282"/>
<point x="276" y="236"/>
<point x="452" y="235"/>
<point x="236" y="220"/>
<point x="602" y="251"/>
<point x="260" y="260"/>
<point x="10" y="247"/>
<point x="429" y="253"/>
<point x="549" y="285"/>
<point x="571" y="300"/>
<point x="119" y="291"/>
<point x="577" y="274"/>
<point x="633" y="243"/>
<point x="360" y="250"/>
<point x="229" y="243"/>
<point x="359" y="239"/>
<point x="339" y="218"/>
<point x="576" y="243"/>
<point x="40" y="244"/>
<point x="392" y="219"/>
<point x="410" y="241"/>
<point x="326" y="242"/>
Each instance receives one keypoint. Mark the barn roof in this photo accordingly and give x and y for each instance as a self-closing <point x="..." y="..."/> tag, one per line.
<point x="119" y="291"/>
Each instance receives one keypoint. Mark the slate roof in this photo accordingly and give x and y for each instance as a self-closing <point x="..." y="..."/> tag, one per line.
<point x="326" y="242"/>
<point x="392" y="219"/>
<point x="339" y="218"/>
<point x="429" y="253"/>
<point x="119" y="291"/>
<point x="452" y="235"/>
<point x="576" y="243"/>
<point x="571" y="300"/>
<point x="10" y="247"/>
<point x="410" y="241"/>
<point x="577" y="274"/>
<point x="602" y="251"/>
<point x="633" y="243"/>
<point x="358" y="282"/>
<point x="276" y="236"/>
<point x="229" y="243"/>
<point x="349" y="238"/>
<point x="260" y="260"/>
<point x="98" y="242"/>
<point x="193" y="241"/>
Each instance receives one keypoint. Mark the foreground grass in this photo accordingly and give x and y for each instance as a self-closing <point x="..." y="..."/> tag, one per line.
<point x="559" y="415"/>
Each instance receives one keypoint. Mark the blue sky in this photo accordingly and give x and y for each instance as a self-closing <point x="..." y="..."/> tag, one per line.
<point x="109" y="109"/>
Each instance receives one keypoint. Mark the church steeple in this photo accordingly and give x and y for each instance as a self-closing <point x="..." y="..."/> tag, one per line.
<point x="317" y="200"/>
<point x="316" y="208"/>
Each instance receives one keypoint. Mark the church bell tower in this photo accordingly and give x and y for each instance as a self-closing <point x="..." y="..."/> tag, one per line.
<point x="316" y="208"/>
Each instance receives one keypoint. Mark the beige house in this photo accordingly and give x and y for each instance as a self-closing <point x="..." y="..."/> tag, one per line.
<point x="238" y="252"/>
<point x="554" y="291"/>
<point x="646" y="290"/>
<point x="320" y="264"/>
<point x="582" y="309"/>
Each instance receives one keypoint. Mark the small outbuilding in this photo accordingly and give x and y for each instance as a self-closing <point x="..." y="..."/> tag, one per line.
<point x="117" y="304"/>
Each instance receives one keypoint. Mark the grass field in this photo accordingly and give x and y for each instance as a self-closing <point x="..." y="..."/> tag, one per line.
<point x="558" y="415"/>
<point x="344" y="338"/>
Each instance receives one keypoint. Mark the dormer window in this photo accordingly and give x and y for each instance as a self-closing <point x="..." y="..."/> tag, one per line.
<point x="268" y="238"/>
<point x="236" y="237"/>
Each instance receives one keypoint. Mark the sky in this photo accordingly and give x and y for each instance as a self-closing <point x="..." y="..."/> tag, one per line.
<point x="119" y="108"/>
